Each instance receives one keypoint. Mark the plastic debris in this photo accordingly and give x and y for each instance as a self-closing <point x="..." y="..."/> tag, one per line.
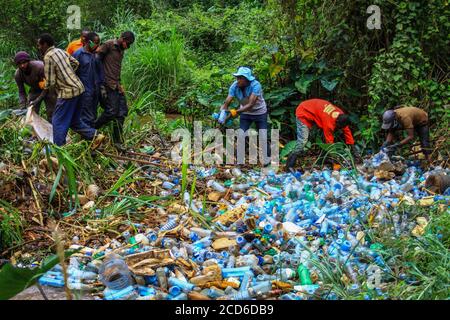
<point x="268" y="235"/>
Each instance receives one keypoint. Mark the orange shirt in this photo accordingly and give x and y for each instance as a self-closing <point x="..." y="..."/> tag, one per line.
<point x="74" y="46"/>
<point x="324" y="115"/>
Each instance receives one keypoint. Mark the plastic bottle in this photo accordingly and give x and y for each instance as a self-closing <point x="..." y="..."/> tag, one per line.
<point x="231" y="262"/>
<point x="162" y="176"/>
<point x="181" y="296"/>
<point x="235" y="272"/>
<point x="202" y="243"/>
<point x="114" y="273"/>
<point x="246" y="248"/>
<point x="260" y="288"/>
<point x="187" y="201"/>
<point x="236" y="172"/>
<point x="284" y="274"/>
<point x="145" y="291"/>
<point x="202" y="232"/>
<point x="222" y="117"/>
<point x="174" y="291"/>
<point x="246" y="280"/>
<point x="240" y="187"/>
<point x="162" y="279"/>
<point x="51" y="282"/>
<point x="168" y="185"/>
<point x="185" y="286"/>
<point x="127" y="293"/>
<point x="216" y="186"/>
<point x="214" y="293"/>
<point x="171" y="224"/>
<point x="304" y="275"/>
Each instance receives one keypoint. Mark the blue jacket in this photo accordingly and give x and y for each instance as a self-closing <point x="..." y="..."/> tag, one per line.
<point x="90" y="70"/>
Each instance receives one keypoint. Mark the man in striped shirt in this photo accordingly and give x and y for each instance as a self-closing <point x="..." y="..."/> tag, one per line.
<point x="59" y="70"/>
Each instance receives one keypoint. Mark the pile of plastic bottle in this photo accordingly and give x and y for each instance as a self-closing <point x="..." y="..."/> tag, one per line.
<point x="290" y="225"/>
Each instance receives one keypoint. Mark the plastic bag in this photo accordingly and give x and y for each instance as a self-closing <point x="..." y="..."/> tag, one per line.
<point x="41" y="127"/>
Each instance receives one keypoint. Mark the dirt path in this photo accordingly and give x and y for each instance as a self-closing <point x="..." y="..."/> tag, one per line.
<point x="33" y="293"/>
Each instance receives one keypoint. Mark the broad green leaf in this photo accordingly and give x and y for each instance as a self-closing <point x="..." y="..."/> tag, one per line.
<point x="329" y="85"/>
<point x="278" y="112"/>
<point x="5" y="114"/>
<point x="304" y="83"/>
<point x="288" y="148"/>
<point x="14" y="280"/>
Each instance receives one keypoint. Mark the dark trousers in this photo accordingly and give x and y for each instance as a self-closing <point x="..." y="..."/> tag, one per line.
<point x="49" y="100"/>
<point x="261" y="123"/>
<point x="424" y="135"/>
<point x="67" y="115"/>
<point x="88" y="105"/>
<point x="115" y="110"/>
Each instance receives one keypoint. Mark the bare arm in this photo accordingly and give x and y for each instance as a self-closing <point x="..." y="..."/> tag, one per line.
<point x="22" y="91"/>
<point x="409" y="138"/>
<point x="227" y="103"/>
<point x="389" y="139"/>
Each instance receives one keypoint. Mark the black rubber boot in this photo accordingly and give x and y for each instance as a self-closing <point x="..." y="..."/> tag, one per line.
<point x="290" y="163"/>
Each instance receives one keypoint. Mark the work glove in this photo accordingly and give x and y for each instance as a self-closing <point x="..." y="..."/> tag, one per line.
<point x="392" y="148"/>
<point x="233" y="113"/>
<point x="385" y="144"/>
<point x="42" y="84"/>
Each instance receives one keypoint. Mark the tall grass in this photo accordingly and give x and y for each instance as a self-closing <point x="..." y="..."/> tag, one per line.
<point x="155" y="68"/>
<point x="69" y="165"/>
<point x="10" y="226"/>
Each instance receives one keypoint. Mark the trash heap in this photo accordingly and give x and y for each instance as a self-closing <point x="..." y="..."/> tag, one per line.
<point x="270" y="233"/>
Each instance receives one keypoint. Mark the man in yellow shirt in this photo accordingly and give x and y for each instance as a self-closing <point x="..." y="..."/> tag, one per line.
<point x="79" y="43"/>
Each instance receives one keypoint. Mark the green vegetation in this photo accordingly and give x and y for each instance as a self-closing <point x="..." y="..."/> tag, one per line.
<point x="182" y="63"/>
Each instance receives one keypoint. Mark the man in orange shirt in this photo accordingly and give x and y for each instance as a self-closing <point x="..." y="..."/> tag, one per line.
<point x="326" y="116"/>
<point x="79" y="43"/>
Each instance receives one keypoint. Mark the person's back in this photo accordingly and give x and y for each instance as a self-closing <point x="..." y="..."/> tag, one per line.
<point x="324" y="114"/>
<point x="74" y="46"/>
<point x="411" y="117"/>
<point x="34" y="76"/>
<point x="61" y="70"/>
<point x="89" y="69"/>
<point x="111" y="55"/>
<point x="319" y="112"/>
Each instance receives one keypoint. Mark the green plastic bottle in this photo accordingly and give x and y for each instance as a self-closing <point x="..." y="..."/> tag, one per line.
<point x="304" y="275"/>
<point x="270" y="252"/>
<point x="133" y="241"/>
<point x="310" y="196"/>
